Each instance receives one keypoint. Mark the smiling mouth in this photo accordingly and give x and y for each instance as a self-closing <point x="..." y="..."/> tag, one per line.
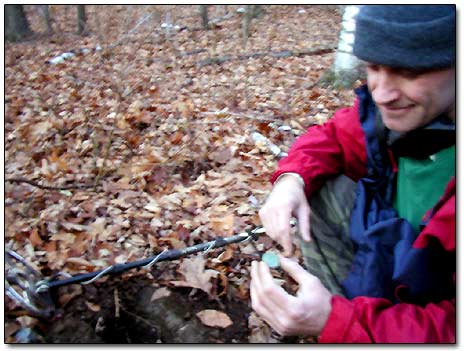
<point x="397" y="109"/>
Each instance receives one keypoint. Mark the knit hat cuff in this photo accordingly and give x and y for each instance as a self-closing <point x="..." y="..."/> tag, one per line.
<point x="419" y="45"/>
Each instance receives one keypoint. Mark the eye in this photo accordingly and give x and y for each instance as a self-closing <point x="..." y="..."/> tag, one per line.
<point x="409" y="73"/>
<point x="412" y="73"/>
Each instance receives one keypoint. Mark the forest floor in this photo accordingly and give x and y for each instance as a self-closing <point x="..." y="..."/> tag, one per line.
<point x="141" y="141"/>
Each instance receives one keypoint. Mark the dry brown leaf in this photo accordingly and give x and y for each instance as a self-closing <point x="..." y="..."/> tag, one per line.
<point x="174" y="242"/>
<point x="137" y="240"/>
<point x="153" y="206"/>
<point x="260" y="331"/>
<point x="176" y="138"/>
<point x="153" y="241"/>
<point x="215" y="319"/>
<point x="27" y="321"/>
<point x="172" y="201"/>
<point x="66" y="238"/>
<point x="195" y="274"/>
<point x="41" y="128"/>
<point x="68" y="293"/>
<point x="226" y="255"/>
<point x="159" y="293"/>
<point x="223" y="225"/>
<point x="98" y="229"/>
<point x="224" y="282"/>
<point x="80" y="244"/>
<point x="11" y="328"/>
<point x="222" y="181"/>
<point x="93" y="306"/>
<point x="145" y="117"/>
<point x="35" y="238"/>
<point x="50" y="246"/>
<point x="223" y="156"/>
<point x="76" y="227"/>
<point x="79" y="261"/>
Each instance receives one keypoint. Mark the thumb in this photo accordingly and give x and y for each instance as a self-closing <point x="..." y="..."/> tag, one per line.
<point x="298" y="273"/>
<point x="303" y="222"/>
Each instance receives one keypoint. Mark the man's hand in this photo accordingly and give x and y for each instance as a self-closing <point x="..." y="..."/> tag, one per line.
<point x="286" y="199"/>
<point x="304" y="314"/>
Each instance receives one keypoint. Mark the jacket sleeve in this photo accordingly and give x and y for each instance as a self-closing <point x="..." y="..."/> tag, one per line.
<point x="336" y="147"/>
<point x="367" y="320"/>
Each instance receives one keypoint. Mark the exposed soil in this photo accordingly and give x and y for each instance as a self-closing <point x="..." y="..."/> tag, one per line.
<point x="120" y="311"/>
<point x="129" y="309"/>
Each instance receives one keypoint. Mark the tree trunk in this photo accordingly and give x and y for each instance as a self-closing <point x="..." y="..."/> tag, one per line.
<point x="345" y="70"/>
<point x="345" y="60"/>
<point x="246" y="24"/>
<point x="16" y="24"/>
<point x="204" y="16"/>
<point x="81" y="19"/>
<point x="251" y="12"/>
<point x="44" y="9"/>
<point x="256" y="11"/>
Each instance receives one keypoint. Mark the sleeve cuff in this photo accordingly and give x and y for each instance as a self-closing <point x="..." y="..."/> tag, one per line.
<point x="295" y="175"/>
<point x="339" y="320"/>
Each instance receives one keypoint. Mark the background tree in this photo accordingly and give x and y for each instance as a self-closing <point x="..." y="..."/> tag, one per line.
<point x="256" y="11"/>
<point x="204" y="16"/>
<point x="346" y="67"/>
<point x="81" y="19"/>
<point x="251" y="12"/>
<point x="45" y="11"/>
<point x="16" y="25"/>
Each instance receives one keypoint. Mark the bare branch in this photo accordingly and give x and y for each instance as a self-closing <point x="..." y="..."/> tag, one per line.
<point x="48" y="187"/>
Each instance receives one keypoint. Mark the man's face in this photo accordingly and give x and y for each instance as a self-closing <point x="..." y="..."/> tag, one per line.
<point x="408" y="99"/>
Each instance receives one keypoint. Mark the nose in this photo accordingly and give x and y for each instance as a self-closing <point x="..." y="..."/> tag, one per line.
<point x="384" y="87"/>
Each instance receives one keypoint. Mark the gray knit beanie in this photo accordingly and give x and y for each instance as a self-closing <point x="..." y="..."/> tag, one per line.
<point x="407" y="36"/>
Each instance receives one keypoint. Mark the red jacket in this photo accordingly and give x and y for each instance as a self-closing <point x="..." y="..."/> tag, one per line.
<point x="340" y="146"/>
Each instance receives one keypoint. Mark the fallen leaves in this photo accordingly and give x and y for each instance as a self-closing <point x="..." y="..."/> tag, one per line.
<point x="215" y="319"/>
<point x="160" y="293"/>
<point x="153" y="206"/>
<point x="68" y="293"/>
<point x="35" y="238"/>
<point x="195" y="274"/>
<point x="169" y="142"/>
<point x="224" y="225"/>
<point x="260" y="332"/>
<point x="10" y="330"/>
<point x="79" y="263"/>
<point x="222" y="156"/>
<point x="93" y="306"/>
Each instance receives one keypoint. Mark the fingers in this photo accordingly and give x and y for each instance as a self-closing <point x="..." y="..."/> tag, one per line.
<point x="257" y="301"/>
<point x="298" y="273"/>
<point x="286" y="199"/>
<point x="267" y="293"/>
<point x="304" y="314"/>
<point x="286" y="241"/>
<point x="303" y="222"/>
<point x="260" y="310"/>
<point x="276" y="221"/>
<point x="269" y="300"/>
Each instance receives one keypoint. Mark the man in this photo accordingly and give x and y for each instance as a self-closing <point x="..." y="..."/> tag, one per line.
<point x="382" y="243"/>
